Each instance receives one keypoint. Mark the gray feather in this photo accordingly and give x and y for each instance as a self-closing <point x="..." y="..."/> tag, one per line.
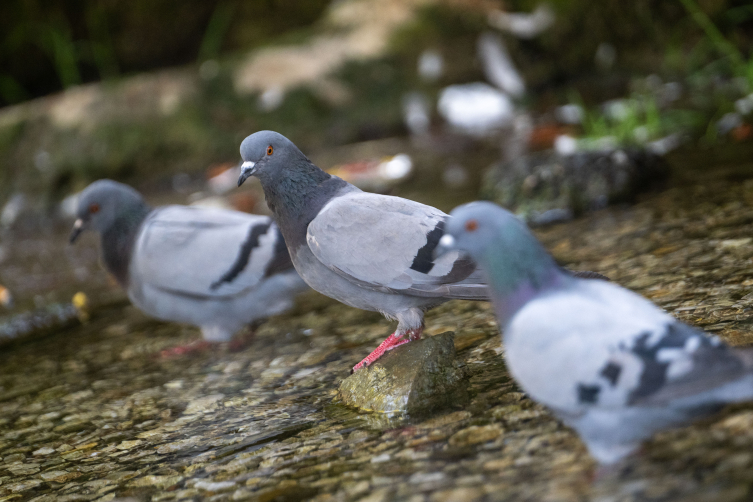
<point x="373" y="240"/>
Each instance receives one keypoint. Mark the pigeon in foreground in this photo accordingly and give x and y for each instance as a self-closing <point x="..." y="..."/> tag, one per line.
<point x="213" y="268"/>
<point x="369" y="251"/>
<point x="606" y="361"/>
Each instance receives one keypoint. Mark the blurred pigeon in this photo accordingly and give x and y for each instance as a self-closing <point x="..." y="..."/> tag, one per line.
<point x="608" y="362"/>
<point x="523" y="25"/>
<point x="216" y="269"/>
<point x="430" y="65"/>
<point x="369" y="251"/>
<point x="476" y="109"/>
<point x="499" y="67"/>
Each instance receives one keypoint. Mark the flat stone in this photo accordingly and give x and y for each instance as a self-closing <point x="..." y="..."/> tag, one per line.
<point x="156" y="481"/>
<point x="60" y="476"/>
<point x="203" y="404"/>
<point x="415" y="378"/>
<point x="23" y="469"/>
<point x="218" y="486"/>
<point x="476" y="434"/>
<point x="23" y="485"/>
<point x="127" y="445"/>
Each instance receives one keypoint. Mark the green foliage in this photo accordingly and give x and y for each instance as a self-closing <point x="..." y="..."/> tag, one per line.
<point x="10" y="90"/>
<point x="56" y="40"/>
<point x="47" y="46"/>
<point x="216" y="31"/>
<point x="740" y="65"/>
<point x="638" y="120"/>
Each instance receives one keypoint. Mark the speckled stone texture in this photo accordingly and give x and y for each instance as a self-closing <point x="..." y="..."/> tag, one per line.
<point x="91" y="413"/>
<point x="414" y="378"/>
<point x="547" y="187"/>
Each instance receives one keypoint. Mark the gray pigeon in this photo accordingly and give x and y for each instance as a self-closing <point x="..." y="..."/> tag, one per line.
<point x="369" y="251"/>
<point x="605" y="360"/>
<point x="216" y="269"/>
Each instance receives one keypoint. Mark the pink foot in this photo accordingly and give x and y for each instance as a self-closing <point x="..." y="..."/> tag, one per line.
<point x="395" y="340"/>
<point x="182" y="350"/>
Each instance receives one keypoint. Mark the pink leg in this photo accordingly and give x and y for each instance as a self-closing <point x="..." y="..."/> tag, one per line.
<point x="395" y="340"/>
<point x="182" y="350"/>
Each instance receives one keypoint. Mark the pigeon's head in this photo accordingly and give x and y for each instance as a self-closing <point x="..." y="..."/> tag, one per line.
<point x="499" y="242"/>
<point x="268" y="155"/>
<point x="102" y="203"/>
<point x="474" y="227"/>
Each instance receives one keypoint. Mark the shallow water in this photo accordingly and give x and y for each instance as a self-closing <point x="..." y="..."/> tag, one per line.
<point x="92" y="412"/>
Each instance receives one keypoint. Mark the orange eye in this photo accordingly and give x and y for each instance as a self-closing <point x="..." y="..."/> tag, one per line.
<point x="94" y="208"/>
<point x="471" y="225"/>
<point x="270" y="150"/>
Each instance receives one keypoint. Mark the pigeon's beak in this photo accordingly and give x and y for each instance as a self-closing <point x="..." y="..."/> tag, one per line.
<point x="78" y="227"/>
<point x="446" y="244"/>
<point x="248" y="169"/>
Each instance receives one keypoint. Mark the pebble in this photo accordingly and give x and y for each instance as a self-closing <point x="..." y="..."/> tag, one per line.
<point x="476" y="435"/>
<point x="60" y="476"/>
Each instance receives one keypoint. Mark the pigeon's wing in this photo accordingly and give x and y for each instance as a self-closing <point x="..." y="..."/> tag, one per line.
<point x="386" y="243"/>
<point x="612" y="348"/>
<point x="206" y="253"/>
<point x="681" y="361"/>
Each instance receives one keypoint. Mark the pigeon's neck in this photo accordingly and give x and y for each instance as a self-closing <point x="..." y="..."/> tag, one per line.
<point x="297" y="198"/>
<point x="527" y="291"/>
<point x="518" y="277"/>
<point x="118" y="241"/>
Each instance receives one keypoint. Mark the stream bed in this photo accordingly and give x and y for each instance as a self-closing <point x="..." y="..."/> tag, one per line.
<point x="93" y="412"/>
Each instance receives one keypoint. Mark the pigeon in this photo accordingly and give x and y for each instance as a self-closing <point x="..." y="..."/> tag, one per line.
<point x="606" y="361"/>
<point x="213" y="268"/>
<point x="369" y="251"/>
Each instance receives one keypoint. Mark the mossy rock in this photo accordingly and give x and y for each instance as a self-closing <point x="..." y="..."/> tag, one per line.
<point x="546" y="187"/>
<point x="416" y="378"/>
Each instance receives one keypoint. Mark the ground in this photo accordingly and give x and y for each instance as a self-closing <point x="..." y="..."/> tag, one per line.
<point x="100" y="416"/>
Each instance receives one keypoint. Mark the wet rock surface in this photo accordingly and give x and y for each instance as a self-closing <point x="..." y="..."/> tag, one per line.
<point x="93" y="413"/>
<point x="415" y="378"/>
<point x="547" y="187"/>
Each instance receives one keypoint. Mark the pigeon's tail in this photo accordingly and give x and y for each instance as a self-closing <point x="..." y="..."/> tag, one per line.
<point x="740" y="389"/>
<point x="469" y="292"/>
<point x="473" y="287"/>
<point x="731" y="385"/>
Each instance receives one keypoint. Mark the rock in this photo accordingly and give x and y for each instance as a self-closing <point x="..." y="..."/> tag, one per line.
<point x="416" y="378"/>
<point x="203" y="404"/>
<point x="22" y="486"/>
<point x="128" y="445"/>
<point x="547" y="187"/>
<point x="60" y="476"/>
<point x="157" y="481"/>
<point x="476" y="434"/>
<point x="37" y="323"/>
<point x="23" y="469"/>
